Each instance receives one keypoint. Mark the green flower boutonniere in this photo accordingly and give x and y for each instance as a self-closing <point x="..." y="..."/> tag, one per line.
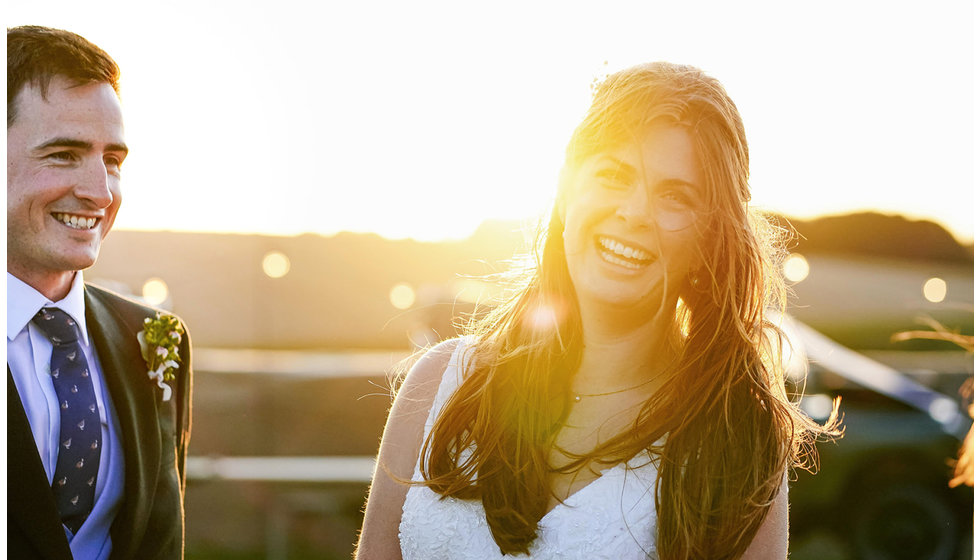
<point x="159" y="344"/>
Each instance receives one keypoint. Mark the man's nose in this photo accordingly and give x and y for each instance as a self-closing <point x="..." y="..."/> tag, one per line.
<point x="94" y="183"/>
<point x="635" y="209"/>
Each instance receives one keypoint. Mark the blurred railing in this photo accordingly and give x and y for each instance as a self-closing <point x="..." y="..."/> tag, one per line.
<point x="281" y="469"/>
<point x="282" y="450"/>
<point x="298" y="363"/>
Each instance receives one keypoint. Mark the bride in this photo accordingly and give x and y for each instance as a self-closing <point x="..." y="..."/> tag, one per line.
<point x="627" y="401"/>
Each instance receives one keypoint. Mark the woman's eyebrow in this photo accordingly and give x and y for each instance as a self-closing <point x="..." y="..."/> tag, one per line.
<point x="678" y="182"/>
<point x="619" y="165"/>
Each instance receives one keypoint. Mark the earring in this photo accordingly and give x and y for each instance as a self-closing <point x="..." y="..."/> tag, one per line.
<point x="694" y="279"/>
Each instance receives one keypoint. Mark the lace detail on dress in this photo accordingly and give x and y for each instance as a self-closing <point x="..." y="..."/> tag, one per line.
<point x="613" y="517"/>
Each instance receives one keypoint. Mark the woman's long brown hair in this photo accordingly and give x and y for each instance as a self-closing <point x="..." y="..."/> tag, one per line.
<point x="731" y="430"/>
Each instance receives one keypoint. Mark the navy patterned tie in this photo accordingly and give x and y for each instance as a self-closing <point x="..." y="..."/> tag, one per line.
<point x="80" y="443"/>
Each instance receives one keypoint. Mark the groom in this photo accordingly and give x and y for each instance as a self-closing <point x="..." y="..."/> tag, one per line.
<point x="95" y="447"/>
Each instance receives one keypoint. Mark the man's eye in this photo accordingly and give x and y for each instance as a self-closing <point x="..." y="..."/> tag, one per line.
<point x="112" y="162"/>
<point x="63" y="156"/>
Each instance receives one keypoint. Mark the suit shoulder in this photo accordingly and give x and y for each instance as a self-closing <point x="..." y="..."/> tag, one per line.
<point x="124" y="305"/>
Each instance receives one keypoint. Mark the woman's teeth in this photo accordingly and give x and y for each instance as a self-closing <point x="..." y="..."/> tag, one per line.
<point x="77" y="222"/>
<point x="628" y="256"/>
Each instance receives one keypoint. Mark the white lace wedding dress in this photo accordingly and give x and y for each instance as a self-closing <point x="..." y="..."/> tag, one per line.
<point x="611" y="518"/>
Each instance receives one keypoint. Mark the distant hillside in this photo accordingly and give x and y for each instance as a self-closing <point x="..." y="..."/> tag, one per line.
<point x="865" y="233"/>
<point x="878" y="235"/>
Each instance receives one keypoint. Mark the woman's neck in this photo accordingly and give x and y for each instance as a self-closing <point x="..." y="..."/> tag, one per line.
<point x="620" y="351"/>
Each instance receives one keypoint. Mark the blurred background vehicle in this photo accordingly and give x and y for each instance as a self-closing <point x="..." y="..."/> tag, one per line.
<point x="883" y="490"/>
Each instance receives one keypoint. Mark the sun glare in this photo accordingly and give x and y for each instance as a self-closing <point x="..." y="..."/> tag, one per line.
<point x="472" y="290"/>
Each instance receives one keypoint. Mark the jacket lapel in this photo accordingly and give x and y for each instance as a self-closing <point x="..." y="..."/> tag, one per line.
<point x="30" y="502"/>
<point x="132" y="397"/>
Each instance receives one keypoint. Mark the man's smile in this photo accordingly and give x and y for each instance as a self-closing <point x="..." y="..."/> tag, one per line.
<point x="75" y="221"/>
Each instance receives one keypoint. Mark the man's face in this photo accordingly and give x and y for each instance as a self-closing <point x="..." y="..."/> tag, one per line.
<point x="63" y="159"/>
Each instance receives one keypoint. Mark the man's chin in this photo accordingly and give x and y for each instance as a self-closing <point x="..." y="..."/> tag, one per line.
<point x="76" y="260"/>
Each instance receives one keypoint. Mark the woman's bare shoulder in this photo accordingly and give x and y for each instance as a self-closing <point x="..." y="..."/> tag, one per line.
<point x="399" y="452"/>
<point x="422" y="381"/>
<point x="431" y="364"/>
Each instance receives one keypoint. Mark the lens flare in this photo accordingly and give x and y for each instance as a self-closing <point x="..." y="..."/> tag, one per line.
<point x="545" y="315"/>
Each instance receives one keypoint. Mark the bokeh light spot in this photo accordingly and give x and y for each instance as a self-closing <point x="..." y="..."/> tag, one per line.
<point x="943" y="411"/>
<point x="402" y="296"/>
<point x="817" y="406"/>
<point x="796" y="268"/>
<point x="934" y="290"/>
<point x="155" y="291"/>
<point x="275" y="264"/>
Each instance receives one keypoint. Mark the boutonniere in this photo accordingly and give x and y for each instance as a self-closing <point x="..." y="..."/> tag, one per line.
<point x="159" y="344"/>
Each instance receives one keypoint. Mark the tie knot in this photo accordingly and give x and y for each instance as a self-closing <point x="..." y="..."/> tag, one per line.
<point x="57" y="325"/>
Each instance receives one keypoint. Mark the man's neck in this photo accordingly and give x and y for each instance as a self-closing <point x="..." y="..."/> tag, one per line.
<point x="52" y="285"/>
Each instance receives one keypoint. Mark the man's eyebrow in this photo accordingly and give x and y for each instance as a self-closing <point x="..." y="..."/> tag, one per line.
<point x="80" y="144"/>
<point x="65" y="143"/>
<point x="117" y="148"/>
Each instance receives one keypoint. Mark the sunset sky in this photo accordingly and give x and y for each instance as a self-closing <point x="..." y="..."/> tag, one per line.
<point x="421" y="119"/>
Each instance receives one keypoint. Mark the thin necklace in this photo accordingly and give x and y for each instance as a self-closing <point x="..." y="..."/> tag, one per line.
<point x="577" y="397"/>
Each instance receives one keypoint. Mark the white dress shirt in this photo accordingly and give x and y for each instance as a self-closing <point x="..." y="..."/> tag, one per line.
<point x="29" y="361"/>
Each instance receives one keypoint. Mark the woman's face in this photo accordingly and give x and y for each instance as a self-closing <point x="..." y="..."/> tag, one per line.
<point x="632" y="217"/>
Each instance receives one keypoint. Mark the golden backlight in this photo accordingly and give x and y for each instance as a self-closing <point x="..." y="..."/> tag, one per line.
<point x="404" y="126"/>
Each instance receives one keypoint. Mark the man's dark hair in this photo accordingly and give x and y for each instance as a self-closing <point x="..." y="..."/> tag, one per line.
<point x="37" y="54"/>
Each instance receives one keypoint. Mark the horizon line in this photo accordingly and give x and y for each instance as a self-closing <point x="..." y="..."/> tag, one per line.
<point x="527" y="225"/>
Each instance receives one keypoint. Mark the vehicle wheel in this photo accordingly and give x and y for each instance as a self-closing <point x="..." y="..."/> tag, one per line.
<point x="904" y="522"/>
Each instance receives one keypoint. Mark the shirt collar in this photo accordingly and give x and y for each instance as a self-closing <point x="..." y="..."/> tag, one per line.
<point x="23" y="303"/>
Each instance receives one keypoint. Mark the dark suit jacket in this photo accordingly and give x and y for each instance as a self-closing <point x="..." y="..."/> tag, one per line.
<point x="154" y="434"/>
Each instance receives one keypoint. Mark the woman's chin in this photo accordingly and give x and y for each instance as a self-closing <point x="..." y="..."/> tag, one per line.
<point x="622" y="302"/>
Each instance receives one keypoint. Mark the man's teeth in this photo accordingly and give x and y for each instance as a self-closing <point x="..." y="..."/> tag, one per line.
<point x="77" y="222"/>
<point x="618" y="248"/>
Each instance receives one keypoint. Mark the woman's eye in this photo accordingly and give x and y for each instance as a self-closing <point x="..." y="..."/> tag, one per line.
<point x="611" y="178"/>
<point x="675" y="197"/>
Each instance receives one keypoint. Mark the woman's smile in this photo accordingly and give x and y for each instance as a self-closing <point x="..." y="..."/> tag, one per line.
<point x="622" y="253"/>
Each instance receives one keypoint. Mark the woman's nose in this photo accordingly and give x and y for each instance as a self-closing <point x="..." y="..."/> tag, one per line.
<point x="635" y="209"/>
